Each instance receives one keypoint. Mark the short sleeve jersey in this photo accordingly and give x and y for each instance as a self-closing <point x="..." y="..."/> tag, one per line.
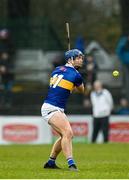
<point x="62" y="82"/>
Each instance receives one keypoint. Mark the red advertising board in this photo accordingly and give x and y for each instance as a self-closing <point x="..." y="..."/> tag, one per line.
<point x="79" y="128"/>
<point x="20" y="133"/>
<point x="119" y="132"/>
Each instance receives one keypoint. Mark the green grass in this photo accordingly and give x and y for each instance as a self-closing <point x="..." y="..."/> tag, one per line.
<point x="93" y="160"/>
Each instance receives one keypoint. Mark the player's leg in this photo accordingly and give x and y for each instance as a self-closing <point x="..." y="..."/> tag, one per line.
<point x="60" y="123"/>
<point x="56" y="149"/>
<point x="105" y="128"/>
<point x="47" y="112"/>
<point x="96" y="128"/>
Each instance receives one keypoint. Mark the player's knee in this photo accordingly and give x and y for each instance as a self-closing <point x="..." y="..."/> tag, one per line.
<point x="68" y="133"/>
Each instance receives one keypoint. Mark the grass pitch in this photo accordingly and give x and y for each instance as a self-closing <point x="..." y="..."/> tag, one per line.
<point x="93" y="160"/>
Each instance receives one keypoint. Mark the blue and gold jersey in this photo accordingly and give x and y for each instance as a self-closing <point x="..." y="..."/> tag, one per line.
<point x="62" y="82"/>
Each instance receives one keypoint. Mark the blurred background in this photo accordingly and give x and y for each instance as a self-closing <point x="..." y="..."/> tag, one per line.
<point x="33" y="40"/>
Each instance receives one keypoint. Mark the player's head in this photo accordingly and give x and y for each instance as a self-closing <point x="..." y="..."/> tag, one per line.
<point x="75" y="57"/>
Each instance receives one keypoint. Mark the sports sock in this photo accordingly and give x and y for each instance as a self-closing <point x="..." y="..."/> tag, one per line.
<point x="70" y="161"/>
<point x="51" y="161"/>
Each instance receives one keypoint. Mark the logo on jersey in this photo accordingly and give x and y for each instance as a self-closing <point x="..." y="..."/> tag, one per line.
<point x="63" y="68"/>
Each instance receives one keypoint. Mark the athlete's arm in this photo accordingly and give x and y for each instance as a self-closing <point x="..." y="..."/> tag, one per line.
<point x="80" y="88"/>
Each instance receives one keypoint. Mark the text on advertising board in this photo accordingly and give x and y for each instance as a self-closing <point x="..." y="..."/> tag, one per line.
<point x="20" y="133"/>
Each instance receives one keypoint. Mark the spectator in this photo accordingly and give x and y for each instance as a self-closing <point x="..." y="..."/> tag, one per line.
<point x="124" y="107"/>
<point x="6" y="65"/>
<point x="102" y="104"/>
<point x="122" y="51"/>
<point x="80" y="44"/>
<point x="91" y="71"/>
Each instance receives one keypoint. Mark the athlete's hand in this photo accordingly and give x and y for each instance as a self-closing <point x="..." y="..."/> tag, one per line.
<point x="80" y="88"/>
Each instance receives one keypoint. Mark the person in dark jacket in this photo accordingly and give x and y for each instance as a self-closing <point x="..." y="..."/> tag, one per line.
<point x="122" y="50"/>
<point x="124" y="107"/>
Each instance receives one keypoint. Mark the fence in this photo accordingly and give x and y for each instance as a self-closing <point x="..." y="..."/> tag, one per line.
<point x="33" y="130"/>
